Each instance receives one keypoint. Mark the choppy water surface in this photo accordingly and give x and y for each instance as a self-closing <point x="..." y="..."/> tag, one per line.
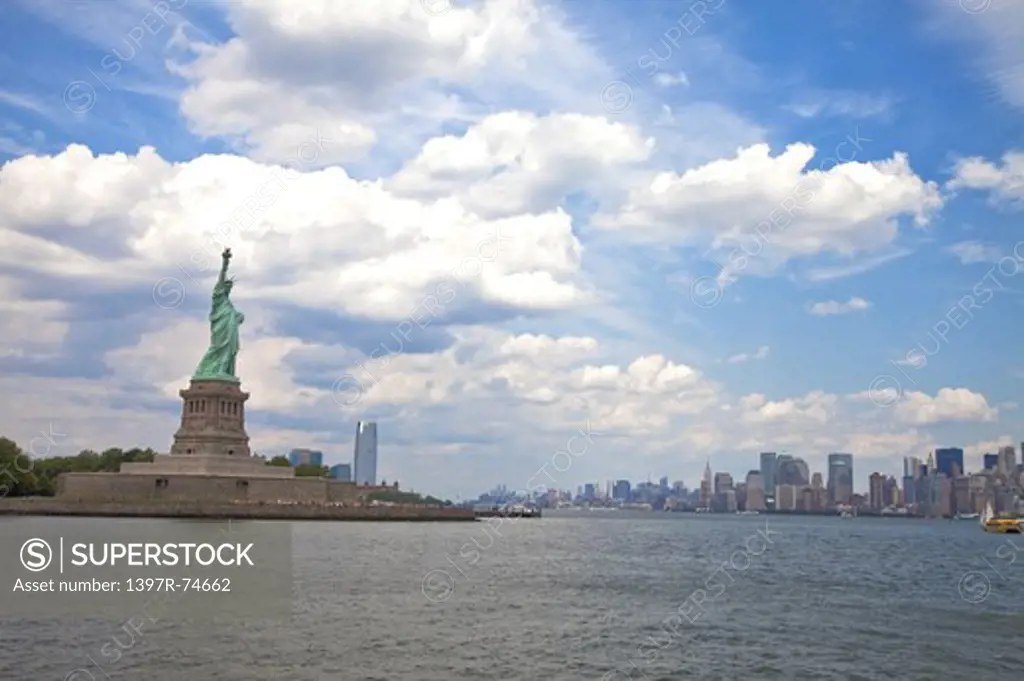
<point x="590" y="597"/>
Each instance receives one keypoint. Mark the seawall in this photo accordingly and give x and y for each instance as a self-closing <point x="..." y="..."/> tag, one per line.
<point x="40" y="506"/>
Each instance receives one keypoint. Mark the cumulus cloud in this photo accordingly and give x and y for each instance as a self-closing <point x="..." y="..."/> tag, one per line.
<point x="949" y="404"/>
<point x="758" y="211"/>
<point x="318" y="239"/>
<point x="516" y="162"/>
<point x="287" y="69"/>
<point x="834" y="307"/>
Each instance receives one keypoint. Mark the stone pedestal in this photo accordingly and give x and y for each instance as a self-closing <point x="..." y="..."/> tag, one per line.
<point x="212" y="421"/>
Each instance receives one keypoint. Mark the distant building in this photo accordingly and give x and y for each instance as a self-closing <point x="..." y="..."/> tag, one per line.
<point x="723" y="487"/>
<point x="755" y="491"/>
<point x="990" y="462"/>
<point x="341" y="471"/>
<point x="621" y="490"/>
<point x="305" y="457"/>
<point x="909" y="497"/>
<point x="706" y="489"/>
<point x="790" y="470"/>
<point x="366" y="453"/>
<point x="741" y="496"/>
<point x="840" y="478"/>
<point x="949" y="461"/>
<point x="890" y="492"/>
<point x="876" y="491"/>
<point x="1007" y="460"/>
<point x="942" y="496"/>
<point x="962" y="495"/>
<point x="785" y="497"/>
<point x="768" y="460"/>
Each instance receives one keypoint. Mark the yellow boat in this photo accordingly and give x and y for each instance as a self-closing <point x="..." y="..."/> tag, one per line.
<point x="1004" y="526"/>
<point x="990" y="523"/>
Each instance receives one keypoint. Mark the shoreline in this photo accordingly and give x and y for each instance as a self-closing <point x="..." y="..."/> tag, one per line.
<point x="46" y="506"/>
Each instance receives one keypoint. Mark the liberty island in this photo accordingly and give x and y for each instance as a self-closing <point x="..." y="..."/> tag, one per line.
<point x="211" y="470"/>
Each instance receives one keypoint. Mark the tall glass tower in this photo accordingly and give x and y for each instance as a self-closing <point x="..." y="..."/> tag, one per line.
<point x="366" y="453"/>
<point x="840" y="478"/>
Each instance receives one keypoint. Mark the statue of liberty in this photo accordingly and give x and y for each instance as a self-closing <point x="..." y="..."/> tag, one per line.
<point x="219" y="361"/>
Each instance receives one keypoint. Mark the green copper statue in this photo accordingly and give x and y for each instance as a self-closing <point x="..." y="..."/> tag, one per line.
<point x="219" y="361"/>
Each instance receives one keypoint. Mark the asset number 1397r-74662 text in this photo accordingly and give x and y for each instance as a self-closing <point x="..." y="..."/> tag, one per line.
<point x="177" y="584"/>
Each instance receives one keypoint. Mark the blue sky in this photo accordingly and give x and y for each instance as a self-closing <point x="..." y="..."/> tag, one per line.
<point x="437" y="126"/>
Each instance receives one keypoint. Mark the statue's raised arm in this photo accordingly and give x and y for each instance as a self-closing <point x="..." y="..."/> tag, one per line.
<point x="225" y="258"/>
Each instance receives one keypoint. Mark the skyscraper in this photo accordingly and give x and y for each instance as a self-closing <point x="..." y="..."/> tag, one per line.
<point x="911" y="469"/>
<point x="876" y="491"/>
<point x="950" y="461"/>
<point x="840" y="478"/>
<point x="1007" y="460"/>
<point x="755" y="491"/>
<point x="705" y="486"/>
<point x="622" y="490"/>
<point x="768" y="460"/>
<point x="366" y="453"/>
<point x="790" y="470"/>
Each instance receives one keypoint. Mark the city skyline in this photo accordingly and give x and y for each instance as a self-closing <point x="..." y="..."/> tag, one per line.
<point x="1004" y="460"/>
<point x="699" y="238"/>
<point x="935" y="487"/>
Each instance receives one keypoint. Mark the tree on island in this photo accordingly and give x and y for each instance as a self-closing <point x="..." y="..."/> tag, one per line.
<point x="397" y="497"/>
<point x="24" y="476"/>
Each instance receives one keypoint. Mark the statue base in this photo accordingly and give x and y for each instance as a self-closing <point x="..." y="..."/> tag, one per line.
<point x="212" y="420"/>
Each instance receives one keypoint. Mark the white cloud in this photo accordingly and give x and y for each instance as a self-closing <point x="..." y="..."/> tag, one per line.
<point x="949" y="404"/>
<point x="833" y="307"/>
<point x="816" y="407"/>
<point x="973" y="252"/>
<point x="346" y="245"/>
<point x="762" y="353"/>
<point x="1005" y="182"/>
<point x="516" y="162"/>
<point x="288" y="70"/>
<point x="759" y="210"/>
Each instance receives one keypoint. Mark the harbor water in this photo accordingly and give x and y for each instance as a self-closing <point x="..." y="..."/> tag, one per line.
<point x="588" y="596"/>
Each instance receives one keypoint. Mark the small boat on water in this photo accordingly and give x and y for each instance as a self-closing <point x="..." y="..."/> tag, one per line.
<point x="991" y="523"/>
<point x="966" y="516"/>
